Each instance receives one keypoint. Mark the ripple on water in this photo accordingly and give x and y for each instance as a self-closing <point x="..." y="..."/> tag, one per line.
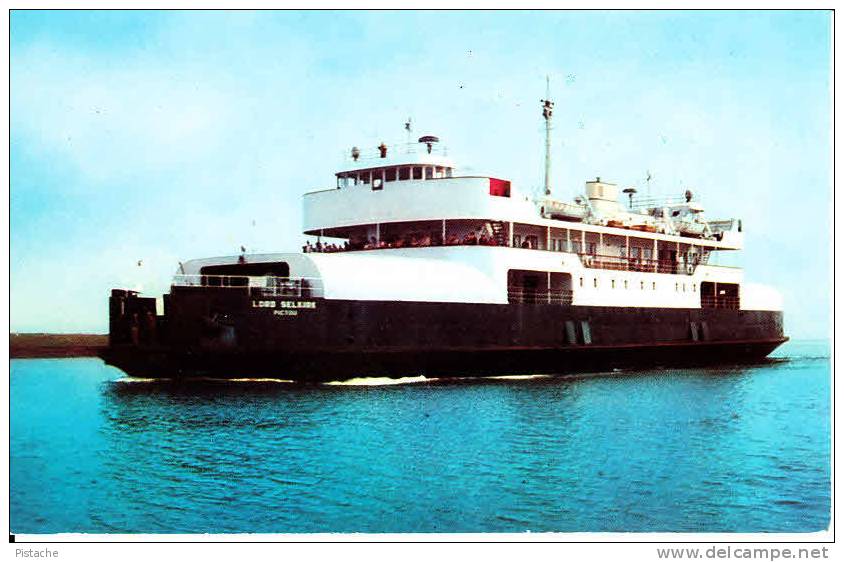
<point x="696" y="449"/>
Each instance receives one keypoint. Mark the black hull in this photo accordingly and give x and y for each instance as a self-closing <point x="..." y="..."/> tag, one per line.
<point x="322" y="366"/>
<point x="223" y="334"/>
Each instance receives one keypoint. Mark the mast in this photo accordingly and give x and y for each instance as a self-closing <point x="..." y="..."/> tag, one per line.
<point x="408" y="126"/>
<point x="547" y="110"/>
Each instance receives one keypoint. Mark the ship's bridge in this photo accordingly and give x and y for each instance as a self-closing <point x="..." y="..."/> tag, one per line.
<point x="333" y="212"/>
<point x="423" y="160"/>
<point x="410" y="183"/>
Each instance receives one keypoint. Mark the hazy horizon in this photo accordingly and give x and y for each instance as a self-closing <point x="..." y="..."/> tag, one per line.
<point x="165" y="136"/>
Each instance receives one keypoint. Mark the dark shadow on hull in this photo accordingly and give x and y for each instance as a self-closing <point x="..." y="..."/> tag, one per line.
<point x="340" y="365"/>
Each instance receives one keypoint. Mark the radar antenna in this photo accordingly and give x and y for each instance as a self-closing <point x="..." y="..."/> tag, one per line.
<point x="547" y="110"/>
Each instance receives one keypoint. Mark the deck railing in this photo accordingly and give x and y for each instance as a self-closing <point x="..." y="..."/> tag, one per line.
<point x="258" y="286"/>
<point x="372" y="155"/>
<point x="720" y="302"/>
<point x="657" y="201"/>
<point x="645" y="265"/>
<point x="516" y="294"/>
<point x="594" y="261"/>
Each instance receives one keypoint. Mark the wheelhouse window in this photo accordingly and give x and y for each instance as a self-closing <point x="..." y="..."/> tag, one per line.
<point x="390" y="174"/>
<point x="404" y="173"/>
<point x="417" y="172"/>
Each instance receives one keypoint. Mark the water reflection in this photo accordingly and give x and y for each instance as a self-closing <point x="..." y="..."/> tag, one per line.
<point x="738" y="449"/>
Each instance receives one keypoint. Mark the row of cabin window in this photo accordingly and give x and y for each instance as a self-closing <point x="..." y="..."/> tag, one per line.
<point x="641" y="285"/>
<point x="401" y="173"/>
<point x="559" y="245"/>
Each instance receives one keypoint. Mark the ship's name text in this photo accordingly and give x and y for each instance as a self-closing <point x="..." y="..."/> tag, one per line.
<point x="284" y="304"/>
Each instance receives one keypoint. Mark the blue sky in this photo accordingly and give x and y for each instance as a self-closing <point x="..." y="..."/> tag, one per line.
<point x="164" y="136"/>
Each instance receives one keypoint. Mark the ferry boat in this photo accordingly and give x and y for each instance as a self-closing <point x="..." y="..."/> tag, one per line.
<point x="418" y="269"/>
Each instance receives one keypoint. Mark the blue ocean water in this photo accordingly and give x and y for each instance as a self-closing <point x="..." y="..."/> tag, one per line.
<point x="734" y="449"/>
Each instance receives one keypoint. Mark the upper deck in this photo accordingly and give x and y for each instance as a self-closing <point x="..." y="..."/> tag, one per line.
<point x="339" y="212"/>
<point x="412" y="195"/>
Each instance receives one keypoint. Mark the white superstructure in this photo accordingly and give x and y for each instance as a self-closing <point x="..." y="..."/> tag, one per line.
<point x="403" y="224"/>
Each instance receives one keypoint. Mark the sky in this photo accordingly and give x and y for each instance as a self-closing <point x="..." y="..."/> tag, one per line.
<point x="165" y="136"/>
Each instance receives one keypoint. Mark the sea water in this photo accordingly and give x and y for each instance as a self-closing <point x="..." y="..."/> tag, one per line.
<point x="732" y="449"/>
